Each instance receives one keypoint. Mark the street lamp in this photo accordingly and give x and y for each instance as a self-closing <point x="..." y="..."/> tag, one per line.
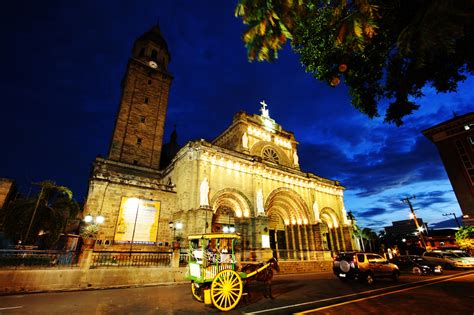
<point x="90" y="219"/>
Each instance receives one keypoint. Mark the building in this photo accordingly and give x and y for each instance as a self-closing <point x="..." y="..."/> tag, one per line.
<point x="454" y="139"/>
<point x="247" y="180"/>
<point x="404" y="228"/>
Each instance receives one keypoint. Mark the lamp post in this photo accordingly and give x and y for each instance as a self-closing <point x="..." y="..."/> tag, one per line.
<point x="455" y="218"/>
<point x="134" y="226"/>
<point x="174" y="227"/>
<point x="89" y="232"/>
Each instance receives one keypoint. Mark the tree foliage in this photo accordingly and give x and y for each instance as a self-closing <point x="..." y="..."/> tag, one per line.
<point x="54" y="206"/>
<point x="465" y="237"/>
<point x="382" y="50"/>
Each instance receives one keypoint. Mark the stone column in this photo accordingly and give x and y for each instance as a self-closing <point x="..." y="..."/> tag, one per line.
<point x="306" y="247"/>
<point x="287" y="239"/>
<point x="313" y="240"/>
<point x="293" y="241"/>
<point x="300" y="242"/>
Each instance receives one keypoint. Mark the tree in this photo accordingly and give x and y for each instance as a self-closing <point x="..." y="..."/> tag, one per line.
<point x="46" y="214"/>
<point x="465" y="238"/>
<point x="382" y="50"/>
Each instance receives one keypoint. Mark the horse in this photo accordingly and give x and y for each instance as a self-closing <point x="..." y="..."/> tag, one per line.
<point x="265" y="275"/>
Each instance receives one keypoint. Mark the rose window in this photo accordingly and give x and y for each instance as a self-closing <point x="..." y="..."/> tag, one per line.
<point x="270" y="155"/>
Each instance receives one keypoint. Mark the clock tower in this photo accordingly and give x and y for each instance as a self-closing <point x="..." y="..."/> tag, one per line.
<point x="139" y="127"/>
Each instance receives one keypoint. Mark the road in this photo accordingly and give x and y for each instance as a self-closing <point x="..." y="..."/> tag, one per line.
<point x="322" y="293"/>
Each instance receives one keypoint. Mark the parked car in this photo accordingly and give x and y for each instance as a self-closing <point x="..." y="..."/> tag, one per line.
<point x="448" y="260"/>
<point x="419" y="266"/>
<point x="363" y="266"/>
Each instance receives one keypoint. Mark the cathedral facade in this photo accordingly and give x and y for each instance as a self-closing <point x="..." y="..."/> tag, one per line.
<point x="247" y="180"/>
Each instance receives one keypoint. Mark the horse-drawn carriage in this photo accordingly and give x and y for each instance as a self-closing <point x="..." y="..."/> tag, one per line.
<point x="212" y="269"/>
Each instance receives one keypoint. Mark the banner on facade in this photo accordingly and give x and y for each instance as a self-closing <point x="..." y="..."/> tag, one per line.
<point x="138" y="220"/>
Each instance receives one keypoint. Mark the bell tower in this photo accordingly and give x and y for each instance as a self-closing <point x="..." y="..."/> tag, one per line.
<point x="139" y="127"/>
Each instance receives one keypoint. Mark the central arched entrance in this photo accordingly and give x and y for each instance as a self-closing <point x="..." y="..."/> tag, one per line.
<point x="223" y="220"/>
<point x="289" y="221"/>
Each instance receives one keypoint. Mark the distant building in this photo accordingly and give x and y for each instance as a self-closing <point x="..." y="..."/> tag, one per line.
<point x="404" y="228"/>
<point x="454" y="139"/>
<point x="441" y="239"/>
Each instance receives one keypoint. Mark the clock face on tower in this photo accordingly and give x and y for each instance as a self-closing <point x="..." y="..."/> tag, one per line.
<point x="153" y="64"/>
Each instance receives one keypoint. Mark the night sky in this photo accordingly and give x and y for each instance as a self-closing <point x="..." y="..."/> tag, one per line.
<point x="63" y="61"/>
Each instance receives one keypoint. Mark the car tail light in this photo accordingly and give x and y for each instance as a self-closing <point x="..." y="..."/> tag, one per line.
<point x="354" y="258"/>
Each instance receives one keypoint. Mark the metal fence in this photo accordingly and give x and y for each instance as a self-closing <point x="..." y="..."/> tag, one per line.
<point x="38" y="258"/>
<point x="110" y="259"/>
<point x="183" y="259"/>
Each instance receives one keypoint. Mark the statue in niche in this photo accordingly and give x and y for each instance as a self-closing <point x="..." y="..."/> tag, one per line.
<point x="245" y="141"/>
<point x="295" y="158"/>
<point x="204" y="192"/>
<point x="316" y="212"/>
<point x="260" y="209"/>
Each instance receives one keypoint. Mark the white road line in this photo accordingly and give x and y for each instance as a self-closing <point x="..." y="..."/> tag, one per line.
<point x="379" y="295"/>
<point x="356" y="294"/>
<point x="10" y="308"/>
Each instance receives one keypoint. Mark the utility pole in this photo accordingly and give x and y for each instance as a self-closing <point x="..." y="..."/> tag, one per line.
<point x="455" y="218"/>
<point x="407" y="202"/>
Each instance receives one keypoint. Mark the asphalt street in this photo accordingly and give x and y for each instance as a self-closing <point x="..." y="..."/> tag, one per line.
<point x="318" y="293"/>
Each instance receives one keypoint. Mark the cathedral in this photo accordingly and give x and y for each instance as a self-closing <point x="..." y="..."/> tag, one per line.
<point x="247" y="180"/>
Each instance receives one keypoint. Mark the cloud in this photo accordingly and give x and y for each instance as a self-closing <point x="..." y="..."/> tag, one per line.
<point x="371" y="212"/>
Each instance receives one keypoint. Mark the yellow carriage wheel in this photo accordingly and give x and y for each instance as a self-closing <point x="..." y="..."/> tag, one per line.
<point x="195" y="292"/>
<point x="226" y="290"/>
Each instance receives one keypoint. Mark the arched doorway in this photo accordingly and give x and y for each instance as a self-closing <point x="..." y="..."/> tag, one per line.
<point x="289" y="230"/>
<point x="223" y="220"/>
<point x="330" y="230"/>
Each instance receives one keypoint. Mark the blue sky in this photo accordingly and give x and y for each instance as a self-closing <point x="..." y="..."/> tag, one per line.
<point x="62" y="65"/>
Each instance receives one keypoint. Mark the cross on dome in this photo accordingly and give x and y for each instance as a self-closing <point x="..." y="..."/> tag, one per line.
<point x="264" y="109"/>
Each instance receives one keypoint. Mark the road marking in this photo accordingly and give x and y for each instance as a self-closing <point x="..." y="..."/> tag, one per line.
<point x="379" y="295"/>
<point x="430" y="280"/>
<point x="10" y="308"/>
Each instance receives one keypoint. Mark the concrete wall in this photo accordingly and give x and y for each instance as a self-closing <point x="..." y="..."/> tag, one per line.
<point x="17" y="281"/>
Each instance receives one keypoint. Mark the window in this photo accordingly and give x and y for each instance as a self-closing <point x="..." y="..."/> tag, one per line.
<point x="141" y="53"/>
<point x="135" y="162"/>
<point x="270" y="154"/>
<point x="139" y="141"/>
<point x="154" y="54"/>
<point x="360" y="257"/>
<point x="142" y="119"/>
<point x="149" y="82"/>
<point x="146" y="100"/>
<point x="465" y="159"/>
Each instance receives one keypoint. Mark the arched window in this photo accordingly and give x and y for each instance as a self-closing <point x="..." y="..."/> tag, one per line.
<point x="154" y="55"/>
<point x="142" y="52"/>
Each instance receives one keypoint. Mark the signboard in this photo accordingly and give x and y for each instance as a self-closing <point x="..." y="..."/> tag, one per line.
<point x="138" y="220"/>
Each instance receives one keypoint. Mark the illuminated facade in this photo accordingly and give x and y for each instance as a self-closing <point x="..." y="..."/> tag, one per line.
<point x="247" y="180"/>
